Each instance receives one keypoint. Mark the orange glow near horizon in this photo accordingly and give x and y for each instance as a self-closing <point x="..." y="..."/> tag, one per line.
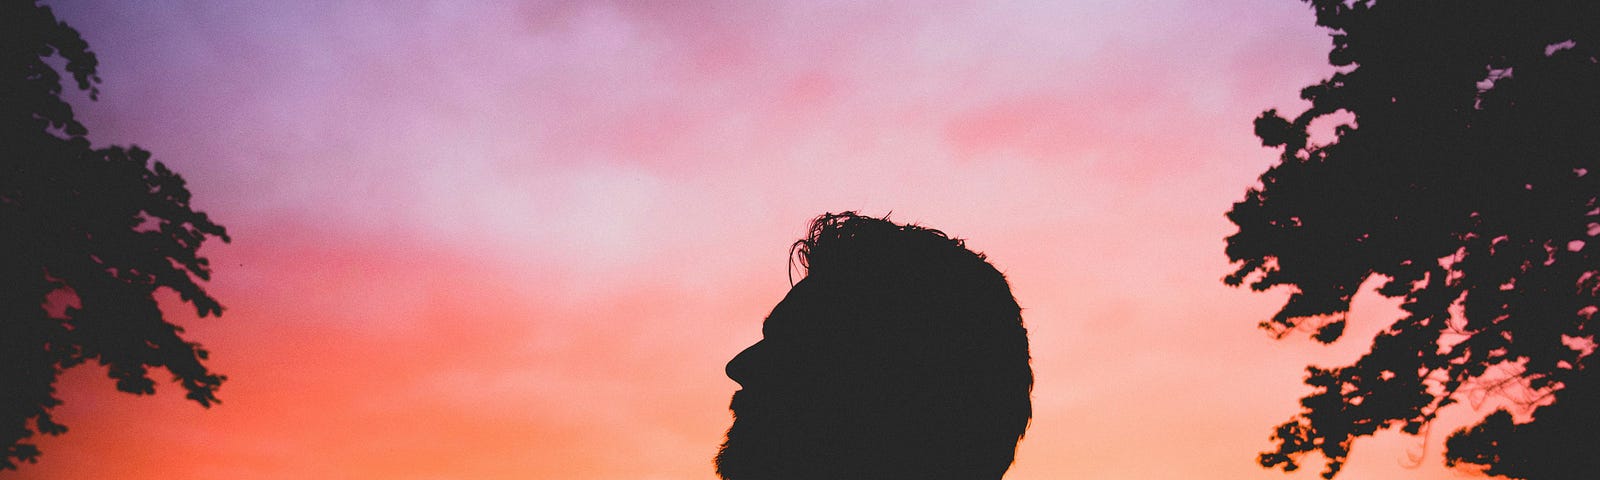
<point x="521" y="240"/>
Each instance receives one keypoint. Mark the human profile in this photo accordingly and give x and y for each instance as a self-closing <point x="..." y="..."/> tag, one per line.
<point x="899" y="354"/>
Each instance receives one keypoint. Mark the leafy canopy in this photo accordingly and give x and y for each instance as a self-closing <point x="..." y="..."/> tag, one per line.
<point x="1465" y="178"/>
<point x="87" y="237"/>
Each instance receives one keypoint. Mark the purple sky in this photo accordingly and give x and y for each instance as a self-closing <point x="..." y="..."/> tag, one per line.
<point x="516" y="240"/>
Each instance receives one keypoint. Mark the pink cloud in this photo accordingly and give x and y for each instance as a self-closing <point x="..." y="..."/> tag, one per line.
<point x="520" y="240"/>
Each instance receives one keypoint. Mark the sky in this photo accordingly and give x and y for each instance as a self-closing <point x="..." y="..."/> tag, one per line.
<point x="521" y="239"/>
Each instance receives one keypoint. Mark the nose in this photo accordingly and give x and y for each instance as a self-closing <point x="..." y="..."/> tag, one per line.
<point x="741" y="367"/>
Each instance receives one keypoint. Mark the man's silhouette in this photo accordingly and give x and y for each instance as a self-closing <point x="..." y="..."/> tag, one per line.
<point x="901" y="354"/>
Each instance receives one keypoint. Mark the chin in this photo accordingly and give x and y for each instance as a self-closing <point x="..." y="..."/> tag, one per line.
<point x="748" y="450"/>
<point x="733" y="458"/>
<point x="760" y="443"/>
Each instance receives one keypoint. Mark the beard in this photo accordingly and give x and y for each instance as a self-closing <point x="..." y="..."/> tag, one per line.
<point x="742" y="454"/>
<point x="771" y="438"/>
<point x="784" y="436"/>
<point x="731" y="460"/>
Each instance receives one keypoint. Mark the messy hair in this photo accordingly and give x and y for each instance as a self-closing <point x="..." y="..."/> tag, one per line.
<point x="841" y="240"/>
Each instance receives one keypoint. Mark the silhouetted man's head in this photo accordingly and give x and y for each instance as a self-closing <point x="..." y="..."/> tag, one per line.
<point x="901" y="354"/>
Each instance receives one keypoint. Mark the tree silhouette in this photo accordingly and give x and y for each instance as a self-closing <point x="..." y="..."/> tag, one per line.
<point x="88" y="236"/>
<point x="1467" y="182"/>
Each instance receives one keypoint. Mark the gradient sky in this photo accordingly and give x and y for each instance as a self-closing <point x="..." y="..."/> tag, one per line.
<point x="520" y="240"/>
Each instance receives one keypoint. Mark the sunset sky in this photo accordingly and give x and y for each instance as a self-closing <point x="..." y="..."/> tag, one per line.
<point x="520" y="240"/>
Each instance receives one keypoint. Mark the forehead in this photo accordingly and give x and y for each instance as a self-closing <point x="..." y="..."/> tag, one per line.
<point x="817" y="305"/>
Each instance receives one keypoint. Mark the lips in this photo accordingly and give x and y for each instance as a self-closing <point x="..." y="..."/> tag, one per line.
<point x="751" y="409"/>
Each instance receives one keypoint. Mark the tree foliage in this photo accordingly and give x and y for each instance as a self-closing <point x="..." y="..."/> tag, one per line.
<point x="88" y="235"/>
<point x="1465" y="178"/>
